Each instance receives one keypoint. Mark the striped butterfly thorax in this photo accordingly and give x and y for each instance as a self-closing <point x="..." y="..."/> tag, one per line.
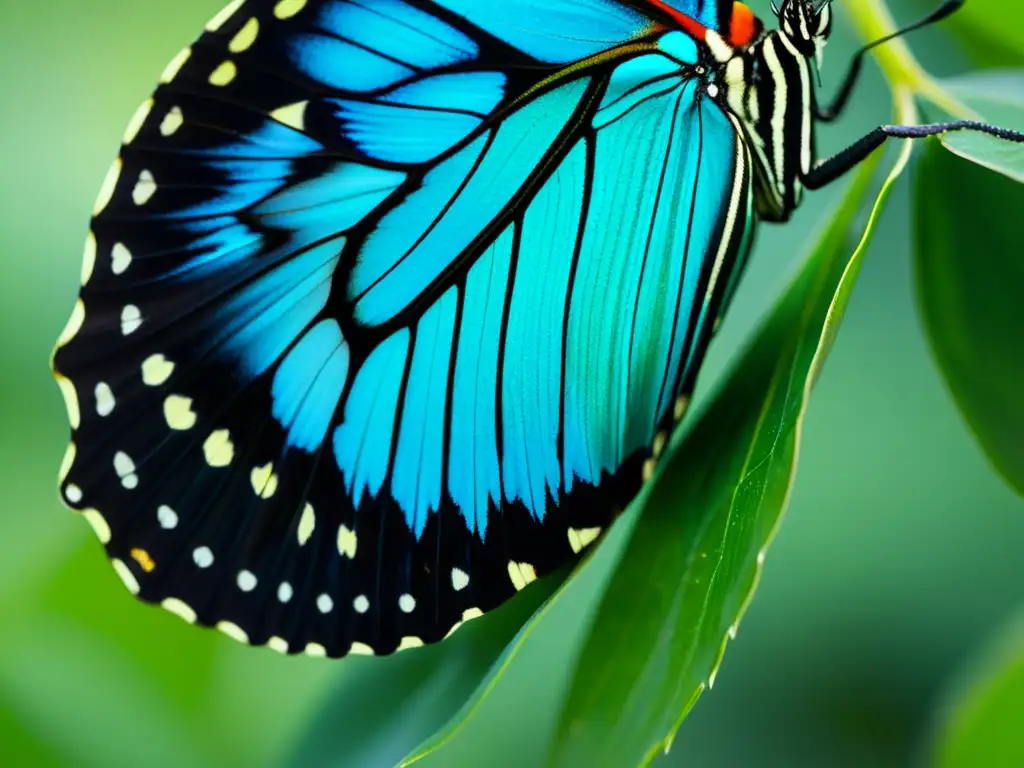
<point x="388" y="307"/>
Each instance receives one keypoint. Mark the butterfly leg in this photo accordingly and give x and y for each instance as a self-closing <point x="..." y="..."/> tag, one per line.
<point x="828" y="170"/>
<point x="827" y="114"/>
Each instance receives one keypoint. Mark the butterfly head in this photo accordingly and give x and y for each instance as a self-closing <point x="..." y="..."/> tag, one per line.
<point x="806" y="23"/>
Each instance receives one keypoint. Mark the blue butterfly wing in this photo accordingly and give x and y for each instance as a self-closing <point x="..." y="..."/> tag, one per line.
<point x="385" y="309"/>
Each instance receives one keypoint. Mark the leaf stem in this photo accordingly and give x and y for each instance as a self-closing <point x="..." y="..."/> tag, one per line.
<point x="901" y="68"/>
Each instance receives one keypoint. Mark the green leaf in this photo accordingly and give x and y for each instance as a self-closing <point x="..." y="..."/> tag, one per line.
<point x="970" y="280"/>
<point x="998" y="21"/>
<point x="981" y="723"/>
<point x="383" y="708"/>
<point x="998" y="98"/>
<point x="693" y="562"/>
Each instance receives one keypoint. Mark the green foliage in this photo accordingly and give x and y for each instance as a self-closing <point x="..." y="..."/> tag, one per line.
<point x="969" y="241"/>
<point x="980" y="725"/>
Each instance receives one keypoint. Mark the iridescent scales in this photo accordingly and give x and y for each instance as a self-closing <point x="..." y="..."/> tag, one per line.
<point x="386" y="303"/>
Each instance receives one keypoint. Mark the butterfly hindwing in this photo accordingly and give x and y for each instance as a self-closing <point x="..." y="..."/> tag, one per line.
<point x="386" y="308"/>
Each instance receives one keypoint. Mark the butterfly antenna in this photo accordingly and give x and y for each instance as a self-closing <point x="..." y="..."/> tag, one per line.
<point x="838" y="104"/>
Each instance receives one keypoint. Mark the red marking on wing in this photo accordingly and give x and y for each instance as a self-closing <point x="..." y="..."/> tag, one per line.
<point x="744" y="27"/>
<point x="692" y="27"/>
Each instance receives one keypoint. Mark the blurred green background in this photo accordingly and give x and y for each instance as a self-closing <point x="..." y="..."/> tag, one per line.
<point x="900" y="553"/>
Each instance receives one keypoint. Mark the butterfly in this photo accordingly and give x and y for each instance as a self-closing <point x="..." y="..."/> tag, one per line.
<point x="389" y="307"/>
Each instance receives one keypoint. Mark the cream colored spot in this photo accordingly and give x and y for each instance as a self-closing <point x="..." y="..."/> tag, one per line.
<point x="288" y="8"/>
<point x="70" y="400"/>
<point x="293" y="115"/>
<point x="125" y="468"/>
<point x="316" y="650"/>
<point x="98" y="524"/>
<point x="361" y="604"/>
<point x="460" y="579"/>
<point x="178" y="412"/>
<point x="131" y="319"/>
<point x="246" y="36"/>
<point x="179" y="608"/>
<point x="137" y="121"/>
<point x="105" y="401"/>
<point x="278" y="644"/>
<point x="88" y="257"/>
<point x="264" y="481"/>
<point x="681" y="405"/>
<point x="581" y="537"/>
<point x="203" y="556"/>
<point x="650" y="466"/>
<point x="521" y="574"/>
<point x="407" y="603"/>
<point x="74" y="324"/>
<point x="108" y="187"/>
<point x="120" y="259"/>
<point x="127" y="577"/>
<point x="156" y="370"/>
<point x="471" y="613"/>
<point x="73" y="493"/>
<point x="324" y="604"/>
<point x="224" y="74"/>
<point x="221" y="18"/>
<point x="659" y="444"/>
<point x="172" y="69"/>
<point x="143" y="558"/>
<point x="69" y="459"/>
<point x="233" y="631"/>
<point x="347" y="542"/>
<point x="246" y="581"/>
<point x="451" y="631"/>
<point x="410" y="642"/>
<point x="307" y="523"/>
<point x="361" y="649"/>
<point x="167" y="517"/>
<point x="218" y="448"/>
<point x="144" y="189"/>
<point x="172" y="121"/>
<point x="285" y="592"/>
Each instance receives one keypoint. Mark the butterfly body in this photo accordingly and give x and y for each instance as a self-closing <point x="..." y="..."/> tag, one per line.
<point x="389" y="306"/>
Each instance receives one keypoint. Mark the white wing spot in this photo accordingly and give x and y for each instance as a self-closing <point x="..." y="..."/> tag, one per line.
<point x="410" y="642"/>
<point x="521" y="574"/>
<point x="407" y="603"/>
<point x="98" y="524"/>
<point x="67" y="461"/>
<point x="278" y="644"/>
<point x="73" y="493"/>
<point x="288" y="8"/>
<point x="178" y="413"/>
<point x="108" y="187"/>
<point x="307" y="524"/>
<point x="74" y="324"/>
<point x="203" y="557"/>
<point x="233" y="631"/>
<point x="88" y="258"/>
<point x="127" y="577"/>
<point x="167" y="517"/>
<point x="156" y="370"/>
<point x="105" y="401"/>
<point x="293" y="115"/>
<point x="285" y="592"/>
<point x="347" y="542"/>
<point x="172" y="121"/>
<point x="221" y="18"/>
<point x="131" y="319"/>
<point x="361" y="649"/>
<point x="246" y="36"/>
<point x="460" y="579"/>
<point x="581" y="537"/>
<point x="172" y="69"/>
<point x="471" y="613"/>
<point x="324" y="604"/>
<point x="120" y="259"/>
<point x="264" y="481"/>
<point x="137" y="121"/>
<point x="218" y="448"/>
<point x="316" y="650"/>
<point x="224" y="74"/>
<point x="125" y="468"/>
<point x="361" y="604"/>
<point x="180" y="608"/>
<point x="144" y="188"/>
<point x="70" y="400"/>
<point x="246" y="581"/>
